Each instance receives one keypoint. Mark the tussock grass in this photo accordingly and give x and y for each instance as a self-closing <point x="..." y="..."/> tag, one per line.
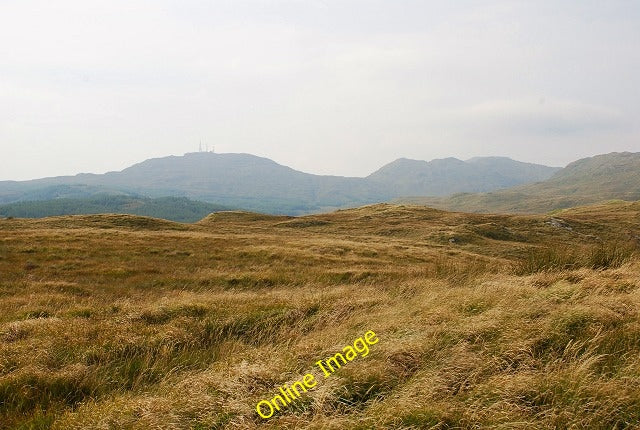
<point x="120" y="322"/>
<point x="558" y="258"/>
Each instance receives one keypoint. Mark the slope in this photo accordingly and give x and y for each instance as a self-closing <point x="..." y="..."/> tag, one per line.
<point x="483" y="321"/>
<point x="259" y="184"/>
<point x="449" y="175"/>
<point x="614" y="176"/>
<point x="171" y="208"/>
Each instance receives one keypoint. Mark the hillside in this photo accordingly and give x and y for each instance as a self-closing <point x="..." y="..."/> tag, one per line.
<point x="235" y="180"/>
<point x="259" y="184"/>
<point x="450" y="175"/>
<point x="481" y="321"/>
<point x="614" y="176"/>
<point x="171" y="208"/>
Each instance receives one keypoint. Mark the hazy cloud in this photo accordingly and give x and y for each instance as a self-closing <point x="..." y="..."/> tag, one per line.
<point x="327" y="86"/>
<point x="538" y="117"/>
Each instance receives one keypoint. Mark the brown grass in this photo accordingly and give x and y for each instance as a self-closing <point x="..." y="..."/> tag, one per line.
<point x="484" y="321"/>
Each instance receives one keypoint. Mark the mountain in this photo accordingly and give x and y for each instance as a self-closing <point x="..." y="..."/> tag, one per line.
<point x="450" y="175"/>
<point x="259" y="184"/>
<point x="236" y="180"/>
<point x="614" y="176"/>
<point x="171" y="208"/>
<point x="247" y="181"/>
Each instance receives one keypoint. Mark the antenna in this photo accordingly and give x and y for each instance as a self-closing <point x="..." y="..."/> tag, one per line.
<point x="200" y="147"/>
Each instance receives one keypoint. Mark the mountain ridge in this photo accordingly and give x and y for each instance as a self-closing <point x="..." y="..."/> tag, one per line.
<point x="260" y="184"/>
<point x="603" y="177"/>
<point x="441" y="176"/>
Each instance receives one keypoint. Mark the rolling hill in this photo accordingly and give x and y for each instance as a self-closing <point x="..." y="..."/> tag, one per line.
<point x="259" y="184"/>
<point x="483" y="321"/>
<point x="449" y="175"/>
<point x="171" y="208"/>
<point x="614" y="176"/>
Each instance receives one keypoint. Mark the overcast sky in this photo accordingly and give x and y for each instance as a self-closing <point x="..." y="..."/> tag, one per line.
<point x="323" y="86"/>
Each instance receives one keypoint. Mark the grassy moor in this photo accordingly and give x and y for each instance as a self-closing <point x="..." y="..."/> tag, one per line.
<point x="481" y="321"/>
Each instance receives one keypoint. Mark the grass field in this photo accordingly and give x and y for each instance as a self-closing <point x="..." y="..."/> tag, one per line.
<point x="484" y="321"/>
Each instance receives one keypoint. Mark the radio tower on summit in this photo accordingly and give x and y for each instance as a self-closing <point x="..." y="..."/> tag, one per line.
<point x="206" y="148"/>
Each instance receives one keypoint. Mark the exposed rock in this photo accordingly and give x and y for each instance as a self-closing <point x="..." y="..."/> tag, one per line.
<point x="559" y="223"/>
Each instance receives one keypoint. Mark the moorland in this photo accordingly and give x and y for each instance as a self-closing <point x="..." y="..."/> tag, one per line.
<point x="483" y="321"/>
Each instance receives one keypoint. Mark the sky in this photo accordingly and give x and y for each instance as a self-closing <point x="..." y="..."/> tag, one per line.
<point x="328" y="87"/>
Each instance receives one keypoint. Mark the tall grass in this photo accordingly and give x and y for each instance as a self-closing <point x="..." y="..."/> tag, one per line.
<point x="141" y="326"/>
<point x="558" y="258"/>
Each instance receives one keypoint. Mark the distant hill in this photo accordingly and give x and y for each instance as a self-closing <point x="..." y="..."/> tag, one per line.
<point x="235" y="180"/>
<point x="170" y="208"/>
<point x="259" y="184"/>
<point x="53" y="188"/>
<point x="450" y="175"/>
<point x="614" y="176"/>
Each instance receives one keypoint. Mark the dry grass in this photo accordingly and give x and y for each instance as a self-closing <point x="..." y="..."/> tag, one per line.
<point x="484" y="321"/>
